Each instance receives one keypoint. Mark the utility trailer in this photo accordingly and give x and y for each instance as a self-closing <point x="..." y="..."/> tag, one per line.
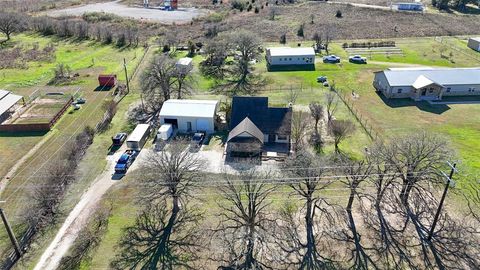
<point x="138" y="137"/>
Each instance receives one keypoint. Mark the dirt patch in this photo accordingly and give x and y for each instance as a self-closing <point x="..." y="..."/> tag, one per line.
<point x="180" y="16"/>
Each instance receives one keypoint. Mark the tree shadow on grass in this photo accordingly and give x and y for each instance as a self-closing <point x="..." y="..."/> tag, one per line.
<point x="407" y="102"/>
<point x="287" y="68"/>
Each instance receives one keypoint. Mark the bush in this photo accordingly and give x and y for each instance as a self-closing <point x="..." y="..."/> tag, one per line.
<point x="283" y="39"/>
<point x="300" y="31"/>
<point x="338" y="14"/>
<point x="257" y="10"/>
<point x="238" y="4"/>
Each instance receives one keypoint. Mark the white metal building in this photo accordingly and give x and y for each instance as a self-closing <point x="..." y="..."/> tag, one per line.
<point x="427" y="83"/>
<point x="290" y="56"/>
<point x="184" y="65"/>
<point x="190" y="115"/>
<point x="474" y="43"/>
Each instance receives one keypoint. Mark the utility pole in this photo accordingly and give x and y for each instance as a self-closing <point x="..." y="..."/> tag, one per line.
<point x="447" y="185"/>
<point x="126" y="75"/>
<point x="14" y="241"/>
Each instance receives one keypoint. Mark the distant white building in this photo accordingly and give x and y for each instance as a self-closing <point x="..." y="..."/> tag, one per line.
<point x="282" y="56"/>
<point x="474" y="43"/>
<point x="409" y="6"/>
<point x="190" y="115"/>
<point x="184" y="65"/>
<point x="427" y="83"/>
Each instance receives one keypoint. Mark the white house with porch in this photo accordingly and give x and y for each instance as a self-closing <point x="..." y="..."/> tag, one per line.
<point x="427" y="83"/>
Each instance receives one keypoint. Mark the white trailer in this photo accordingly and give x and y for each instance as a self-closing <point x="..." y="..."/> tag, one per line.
<point x="164" y="132"/>
<point x="138" y="137"/>
<point x="474" y="43"/>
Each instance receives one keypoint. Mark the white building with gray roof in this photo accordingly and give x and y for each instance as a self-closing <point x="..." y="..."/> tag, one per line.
<point x="281" y="56"/>
<point x="427" y="83"/>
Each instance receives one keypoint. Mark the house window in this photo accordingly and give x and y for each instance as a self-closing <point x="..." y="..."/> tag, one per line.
<point x="399" y="91"/>
<point x="281" y="138"/>
<point x="448" y="89"/>
<point x="286" y="59"/>
<point x="280" y="59"/>
<point x="290" y="59"/>
<point x="431" y="90"/>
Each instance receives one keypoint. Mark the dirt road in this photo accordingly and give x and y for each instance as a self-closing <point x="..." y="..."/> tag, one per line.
<point x="182" y="15"/>
<point x="79" y="216"/>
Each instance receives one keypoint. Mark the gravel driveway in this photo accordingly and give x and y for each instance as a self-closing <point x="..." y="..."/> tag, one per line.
<point x="180" y="16"/>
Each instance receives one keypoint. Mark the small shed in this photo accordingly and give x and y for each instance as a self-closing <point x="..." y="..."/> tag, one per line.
<point x="474" y="43"/>
<point x="107" y="80"/>
<point x="8" y="102"/>
<point x="184" y="65"/>
<point x="190" y="115"/>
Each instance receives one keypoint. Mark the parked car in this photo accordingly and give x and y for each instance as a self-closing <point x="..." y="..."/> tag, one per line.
<point x="125" y="161"/>
<point x="325" y="84"/>
<point x="119" y="138"/>
<point x="76" y="106"/>
<point x="357" y="59"/>
<point x="331" y="59"/>
<point x="197" y="139"/>
<point x="81" y="101"/>
<point x="321" y="79"/>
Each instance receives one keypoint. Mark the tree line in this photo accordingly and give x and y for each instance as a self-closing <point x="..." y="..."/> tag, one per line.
<point x="120" y="35"/>
<point x="315" y="213"/>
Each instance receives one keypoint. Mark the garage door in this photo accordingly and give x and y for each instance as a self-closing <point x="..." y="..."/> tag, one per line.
<point x="173" y="122"/>
<point x="203" y="125"/>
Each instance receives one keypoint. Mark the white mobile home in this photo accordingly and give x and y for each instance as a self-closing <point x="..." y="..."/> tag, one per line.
<point x="474" y="43"/>
<point x="138" y="137"/>
<point x="190" y="115"/>
<point x="282" y="56"/>
<point x="427" y="83"/>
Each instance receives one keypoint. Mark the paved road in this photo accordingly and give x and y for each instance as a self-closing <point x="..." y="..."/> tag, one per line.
<point x="182" y="15"/>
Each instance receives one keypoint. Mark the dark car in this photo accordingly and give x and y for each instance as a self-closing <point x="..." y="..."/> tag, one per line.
<point x="197" y="139"/>
<point x="119" y="138"/>
<point x="357" y="59"/>
<point x="125" y="161"/>
<point x="80" y="101"/>
<point x="321" y="79"/>
<point x="331" y="59"/>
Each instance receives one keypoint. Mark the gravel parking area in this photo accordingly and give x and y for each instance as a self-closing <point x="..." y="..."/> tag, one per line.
<point x="180" y="16"/>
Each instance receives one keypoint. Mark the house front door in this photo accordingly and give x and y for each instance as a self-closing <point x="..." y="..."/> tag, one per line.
<point x="424" y="92"/>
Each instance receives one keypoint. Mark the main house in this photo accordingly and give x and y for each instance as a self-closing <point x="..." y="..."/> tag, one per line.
<point x="255" y="127"/>
<point x="188" y="115"/>
<point x="284" y="56"/>
<point x="427" y="83"/>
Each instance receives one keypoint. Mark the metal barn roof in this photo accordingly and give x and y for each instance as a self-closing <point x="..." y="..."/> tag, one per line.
<point x="7" y="101"/>
<point x="443" y="76"/>
<point x="286" y="51"/>
<point x="189" y="108"/>
<point x="477" y="39"/>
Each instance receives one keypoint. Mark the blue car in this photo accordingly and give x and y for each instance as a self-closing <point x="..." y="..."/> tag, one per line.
<point x="124" y="162"/>
<point x="331" y="59"/>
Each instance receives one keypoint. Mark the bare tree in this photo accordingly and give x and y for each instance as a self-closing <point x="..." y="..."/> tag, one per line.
<point x="331" y="103"/>
<point x="165" y="234"/>
<point x="241" y="79"/>
<point x="299" y="129"/>
<point x="292" y="96"/>
<point x="415" y="158"/>
<point x="272" y="13"/>
<point x="317" y="38"/>
<point x="328" y="35"/>
<point x="301" y="247"/>
<point x="10" y="23"/>
<point x="245" y="228"/>
<point x="340" y="130"/>
<point x="317" y="113"/>
<point x="216" y="52"/>
<point x="356" y="173"/>
<point x="159" y="240"/>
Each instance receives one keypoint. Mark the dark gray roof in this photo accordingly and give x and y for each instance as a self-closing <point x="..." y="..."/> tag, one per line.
<point x="268" y="120"/>
<point x="443" y="76"/>
<point x="246" y="126"/>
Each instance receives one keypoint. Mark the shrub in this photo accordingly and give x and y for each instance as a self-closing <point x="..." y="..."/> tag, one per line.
<point x="238" y="4"/>
<point x="339" y="14"/>
<point x="257" y="10"/>
<point x="283" y="39"/>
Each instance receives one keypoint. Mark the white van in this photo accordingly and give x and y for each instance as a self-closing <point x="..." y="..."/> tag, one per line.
<point x="164" y="132"/>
